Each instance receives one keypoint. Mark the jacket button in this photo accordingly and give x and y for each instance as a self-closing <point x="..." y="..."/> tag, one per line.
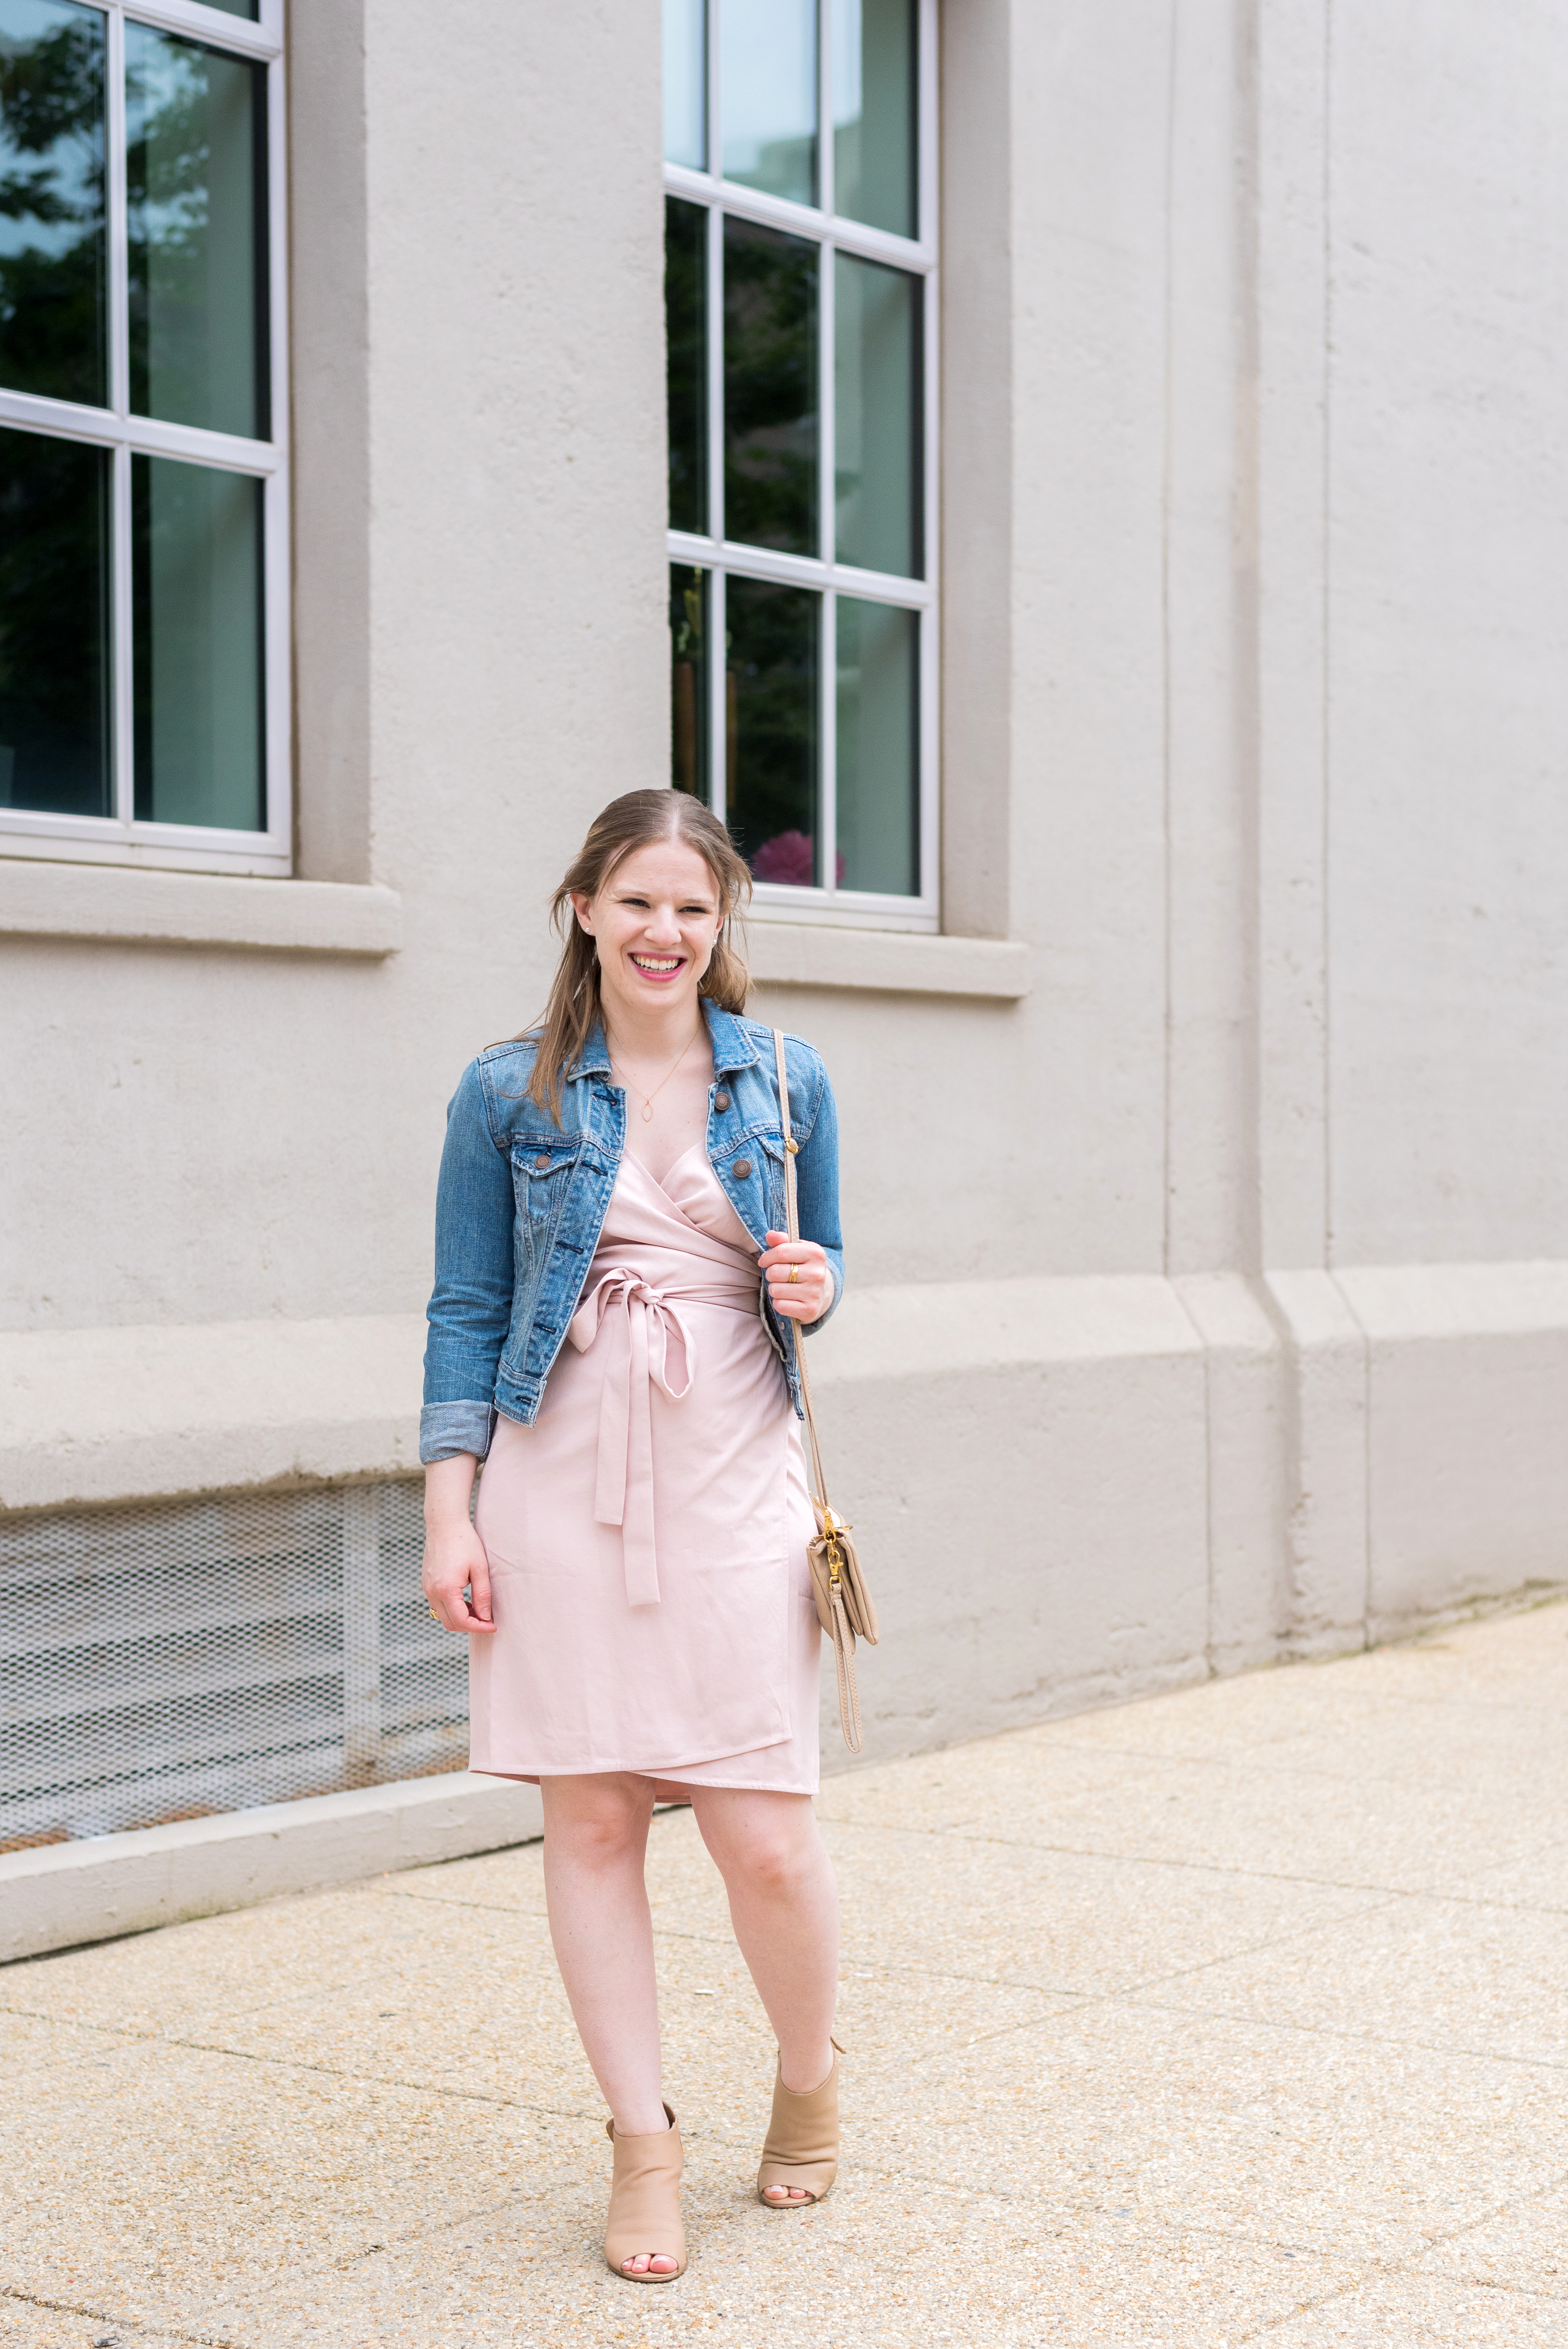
<point x="741" y="1169"/>
<point x="541" y="1163"/>
<point x="721" y="1100"/>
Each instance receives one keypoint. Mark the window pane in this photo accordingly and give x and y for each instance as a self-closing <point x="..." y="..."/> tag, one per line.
<point x="53" y="255"/>
<point x="196" y="557"/>
<point x="767" y="95"/>
<point x="685" y="349"/>
<point x="54" y="625"/>
<point x="876" y="411"/>
<point x="196" y="185"/>
<point x="685" y="83"/>
<point x="688" y="681"/>
<point x="874" y="113"/>
<point x="770" y="489"/>
<point x="879" y="748"/>
<point x="238" y="9"/>
<point x="770" y="718"/>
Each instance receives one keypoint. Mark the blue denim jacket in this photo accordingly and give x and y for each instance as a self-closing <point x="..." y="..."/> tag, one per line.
<point x="521" y="1203"/>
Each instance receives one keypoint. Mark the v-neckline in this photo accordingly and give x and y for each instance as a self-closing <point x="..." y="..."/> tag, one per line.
<point x="669" y="1170"/>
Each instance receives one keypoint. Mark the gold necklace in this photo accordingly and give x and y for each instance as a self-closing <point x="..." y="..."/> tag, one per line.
<point x="648" y="1100"/>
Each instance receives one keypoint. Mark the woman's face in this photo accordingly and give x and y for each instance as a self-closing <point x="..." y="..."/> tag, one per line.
<point x="654" y="922"/>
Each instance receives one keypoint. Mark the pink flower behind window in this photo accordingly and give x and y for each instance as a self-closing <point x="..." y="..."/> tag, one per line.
<point x="789" y="857"/>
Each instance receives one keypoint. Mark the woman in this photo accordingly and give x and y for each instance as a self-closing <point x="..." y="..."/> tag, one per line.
<point x="615" y="1299"/>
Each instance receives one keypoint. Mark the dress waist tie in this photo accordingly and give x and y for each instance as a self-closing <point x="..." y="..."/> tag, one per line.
<point x="649" y="1339"/>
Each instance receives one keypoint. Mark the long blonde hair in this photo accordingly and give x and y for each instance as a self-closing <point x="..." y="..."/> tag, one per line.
<point x="636" y="820"/>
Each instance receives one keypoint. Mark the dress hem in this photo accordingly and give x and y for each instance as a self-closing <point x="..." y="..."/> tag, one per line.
<point x="661" y="1777"/>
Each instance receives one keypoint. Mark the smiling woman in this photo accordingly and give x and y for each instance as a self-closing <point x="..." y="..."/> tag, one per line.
<point x="615" y="1324"/>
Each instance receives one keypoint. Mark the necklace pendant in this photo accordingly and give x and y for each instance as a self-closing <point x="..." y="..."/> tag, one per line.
<point x="647" y="1113"/>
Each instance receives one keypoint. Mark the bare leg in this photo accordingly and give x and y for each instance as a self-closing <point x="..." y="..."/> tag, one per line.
<point x="784" y="1906"/>
<point x="595" y="1839"/>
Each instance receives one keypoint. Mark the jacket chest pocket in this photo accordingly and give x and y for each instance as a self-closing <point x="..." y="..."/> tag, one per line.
<point x="540" y="1176"/>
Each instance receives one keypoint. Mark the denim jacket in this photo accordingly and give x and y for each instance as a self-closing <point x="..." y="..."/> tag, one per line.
<point x="521" y="1203"/>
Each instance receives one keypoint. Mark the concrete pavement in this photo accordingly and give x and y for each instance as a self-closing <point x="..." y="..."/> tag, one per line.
<point x="1234" y="2015"/>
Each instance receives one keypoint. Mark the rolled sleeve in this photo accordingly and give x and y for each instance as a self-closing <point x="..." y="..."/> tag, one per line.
<point x="447" y="1429"/>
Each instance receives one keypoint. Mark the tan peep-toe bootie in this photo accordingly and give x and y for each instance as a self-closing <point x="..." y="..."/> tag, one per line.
<point x="802" y="2148"/>
<point x="646" y="2203"/>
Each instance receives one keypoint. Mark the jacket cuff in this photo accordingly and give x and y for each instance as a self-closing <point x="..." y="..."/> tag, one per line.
<point x="446" y="1430"/>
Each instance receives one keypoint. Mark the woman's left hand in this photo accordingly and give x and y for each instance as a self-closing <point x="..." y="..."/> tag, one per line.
<point x="808" y="1296"/>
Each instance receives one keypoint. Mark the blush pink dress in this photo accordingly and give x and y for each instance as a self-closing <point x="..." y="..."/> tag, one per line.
<point x="648" y="1534"/>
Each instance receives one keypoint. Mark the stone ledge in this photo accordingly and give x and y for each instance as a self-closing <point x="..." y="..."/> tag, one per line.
<point x="153" y="1412"/>
<point x="138" y="907"/>
<point x="150" y="1412"/>
<point x="61" y="1894"/>
<point x="898" y="962"/>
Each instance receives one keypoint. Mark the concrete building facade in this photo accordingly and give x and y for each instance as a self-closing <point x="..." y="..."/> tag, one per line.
<point x="1206" y="1167"/>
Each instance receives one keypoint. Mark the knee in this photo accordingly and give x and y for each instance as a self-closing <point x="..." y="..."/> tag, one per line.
<point x="601" y="1836"/>
<point x="777" y="1865"/>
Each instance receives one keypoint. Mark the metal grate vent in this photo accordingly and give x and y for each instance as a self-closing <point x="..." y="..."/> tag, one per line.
<point x="170" y="1659"/>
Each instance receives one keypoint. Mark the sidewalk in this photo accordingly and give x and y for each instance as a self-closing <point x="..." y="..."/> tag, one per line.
<point x="1235" y="2015"/>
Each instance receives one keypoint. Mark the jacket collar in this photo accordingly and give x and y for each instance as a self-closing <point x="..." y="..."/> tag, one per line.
<point x="732" y="1045"/>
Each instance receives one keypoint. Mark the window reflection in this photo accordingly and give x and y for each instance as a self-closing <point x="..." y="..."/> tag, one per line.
<point x="685" y="83"/>
<point x="876" y="412"/>
<point x="54" y="733"/>
<point x="771" y="721"/>
<point x="196" y="191"/>
<point x="53" y="254"/>
<point x="686" y="353"/>
<point x="874" y="113"/>
<point x="879" y="748"/>
<point x="196" y="600"/>
<point x="689" y="770"/>
<point x="770" y="493"/>
<point x="767" y="95"/>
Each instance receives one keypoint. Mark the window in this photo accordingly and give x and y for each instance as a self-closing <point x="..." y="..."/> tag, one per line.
<point x="143" y="498"/>
<point x="800" y="299"/>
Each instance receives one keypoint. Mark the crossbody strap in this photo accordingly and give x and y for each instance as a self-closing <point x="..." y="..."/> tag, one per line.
<point x="792" y="1218"/>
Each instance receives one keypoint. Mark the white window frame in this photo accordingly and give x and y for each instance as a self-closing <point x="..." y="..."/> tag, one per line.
<point x="719" y="558"/>
<point x="120" y="839"/>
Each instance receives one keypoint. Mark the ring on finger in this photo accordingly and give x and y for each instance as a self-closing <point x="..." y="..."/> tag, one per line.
<point x="794" y="1274"/>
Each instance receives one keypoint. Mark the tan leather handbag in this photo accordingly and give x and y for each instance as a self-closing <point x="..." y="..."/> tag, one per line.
<point x="844" y="1608"/>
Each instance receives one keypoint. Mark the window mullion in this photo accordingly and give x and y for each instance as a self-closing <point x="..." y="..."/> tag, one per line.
<point x="118" y="255"/>
<point x="121" y="637"/>
<point x="714" y="356"/>
<point x="826" y="662"/>
<point x="828" y="726"/>
<point x="714" y="155"/>
<point x="928" y="181"/>
<point x="825" y="197"/>
<point x="718" y="697"/>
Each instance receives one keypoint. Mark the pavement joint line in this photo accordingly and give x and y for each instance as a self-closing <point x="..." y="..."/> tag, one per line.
<point x="1136" y="1994"/>
<point x="120" y="2323"/>
<point x="1256" y="1762"/>
<point x="1387" y="2270"/>
<point x="1065" y="1851"/>
<point x="968" y="1833"/>
<point x="1361" y="2038"/>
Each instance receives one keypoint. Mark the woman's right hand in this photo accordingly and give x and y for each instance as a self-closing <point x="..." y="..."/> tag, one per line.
<point x="455" y="1558"/>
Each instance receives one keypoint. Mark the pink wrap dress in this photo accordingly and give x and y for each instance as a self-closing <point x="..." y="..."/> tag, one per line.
<point x="648" y="1534"/>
